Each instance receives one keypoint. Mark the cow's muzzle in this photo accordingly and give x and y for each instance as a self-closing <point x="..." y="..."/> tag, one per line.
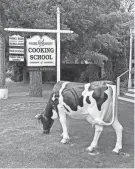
<point x="46" y="131"/>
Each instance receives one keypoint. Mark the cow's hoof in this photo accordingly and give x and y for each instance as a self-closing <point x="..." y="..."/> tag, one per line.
<point x="117" y="151"/>
<point x="120" y="152"/>
<point x="64" y="141"/>
<point x="91" y="149"/>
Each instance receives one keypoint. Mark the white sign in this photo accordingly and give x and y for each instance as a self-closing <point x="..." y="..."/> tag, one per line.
<point x="40" y="51"/>
<point x="16" y="40"/>
<point x="16" y="58"/>
<point x="16" y="51"/>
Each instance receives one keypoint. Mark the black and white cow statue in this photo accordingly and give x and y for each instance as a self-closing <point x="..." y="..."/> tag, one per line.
<point x="96" y="102"/>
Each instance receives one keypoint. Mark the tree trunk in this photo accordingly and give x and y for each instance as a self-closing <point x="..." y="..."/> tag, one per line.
<point x="35" y="88"/>
<point x="125" y="54"/>
<point x="24" y="75"/>
<point x="102" y="70"/>
<point x="2" y="51"/>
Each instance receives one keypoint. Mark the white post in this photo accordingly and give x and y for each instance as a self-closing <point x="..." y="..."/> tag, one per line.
<point x="58" y="44"/>
<point x="130" y="60"/>
<point x="118" y="86"/>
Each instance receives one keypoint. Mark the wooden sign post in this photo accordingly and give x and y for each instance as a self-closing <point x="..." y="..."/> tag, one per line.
<point x="58" y="31"/>
<point x="40" y="53"/>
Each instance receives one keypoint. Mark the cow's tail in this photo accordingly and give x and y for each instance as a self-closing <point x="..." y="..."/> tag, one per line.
<point x="114" y="109"/>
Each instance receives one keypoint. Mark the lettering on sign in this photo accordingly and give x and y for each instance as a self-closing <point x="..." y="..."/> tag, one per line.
<point x="40" y="51"/>
<point x="16" y="51"/>
<point x="16" y="58"/>
<point x="16" y="40"/>
<point x="43" y="68"/>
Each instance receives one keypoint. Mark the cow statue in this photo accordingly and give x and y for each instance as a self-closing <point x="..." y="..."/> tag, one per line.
<point x="96" y="102"/>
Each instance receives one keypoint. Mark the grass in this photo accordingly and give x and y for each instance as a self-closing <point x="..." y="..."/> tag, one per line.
<point x="22" y="144"/>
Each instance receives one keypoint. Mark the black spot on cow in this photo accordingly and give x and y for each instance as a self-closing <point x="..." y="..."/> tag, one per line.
<point x="81" y="101"/>
<point x="69" y="97"/>
<point x="100" y="100"/>
<point x="88" y="100"/>
<point x="55" y="102"/>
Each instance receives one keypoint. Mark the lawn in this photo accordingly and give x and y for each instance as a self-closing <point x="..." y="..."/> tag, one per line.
<point x="22" y="144"/>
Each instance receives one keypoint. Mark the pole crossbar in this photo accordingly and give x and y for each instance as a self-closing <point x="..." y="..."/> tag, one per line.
<point x="37" y="30"/>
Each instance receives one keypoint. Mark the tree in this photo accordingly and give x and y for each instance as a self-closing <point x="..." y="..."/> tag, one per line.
<point x="98" y="36"/>
<point x="2" y="47"/>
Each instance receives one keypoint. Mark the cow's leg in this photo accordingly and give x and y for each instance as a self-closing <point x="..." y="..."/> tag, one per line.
<point x="94" y="144"/>
<point x="63" y="122"/>
<point x="67" y="126"/>
<point x="118" y="129"/>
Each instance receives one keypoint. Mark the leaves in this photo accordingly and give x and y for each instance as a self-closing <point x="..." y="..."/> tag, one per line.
<point x="108" y="42"/>
<point x="94" y="57"/>
<point x="98" y="34"/>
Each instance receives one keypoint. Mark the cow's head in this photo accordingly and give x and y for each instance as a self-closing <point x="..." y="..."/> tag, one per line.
<point x="46" y="121"/>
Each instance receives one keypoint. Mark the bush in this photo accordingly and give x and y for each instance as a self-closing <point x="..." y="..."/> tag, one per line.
<point x="123" y="86"/>
<point x="17" y="75"/>
<point x="86" y="76"/>
<point x="82" y="78"/>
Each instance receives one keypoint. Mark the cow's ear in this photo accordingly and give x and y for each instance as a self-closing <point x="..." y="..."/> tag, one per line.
<point x="38" y="116"/>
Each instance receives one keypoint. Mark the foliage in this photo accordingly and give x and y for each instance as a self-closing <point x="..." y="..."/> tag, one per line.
<point x="89" y="75"/>
<point x="93" y="57"/>
<point x="98" y="35"/>
<point x="82" y="78"/>
<point x="123" y="86"/>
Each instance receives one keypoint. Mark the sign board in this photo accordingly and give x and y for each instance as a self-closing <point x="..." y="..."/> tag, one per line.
<point x="40" y="51"/>
<point x="16" y="51"/>
<point x="16" y="58"/>
<point x="16" y="40"/>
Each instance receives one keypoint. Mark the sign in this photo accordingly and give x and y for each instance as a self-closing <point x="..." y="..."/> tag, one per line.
<point x="16" y="51"/>
<point x="49" y="68"/>
<point x="16" y="58"/>
<point x="40" y="51"/>
<point x="16" y="40"/>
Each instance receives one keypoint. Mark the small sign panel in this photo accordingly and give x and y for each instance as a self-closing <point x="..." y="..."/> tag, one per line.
<point x="16" y="51"/>
<point x="48" y="68"/>
<point x="16" y="58"/>
<point x="16" y="40"/>
<point x="40" y="51"/>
